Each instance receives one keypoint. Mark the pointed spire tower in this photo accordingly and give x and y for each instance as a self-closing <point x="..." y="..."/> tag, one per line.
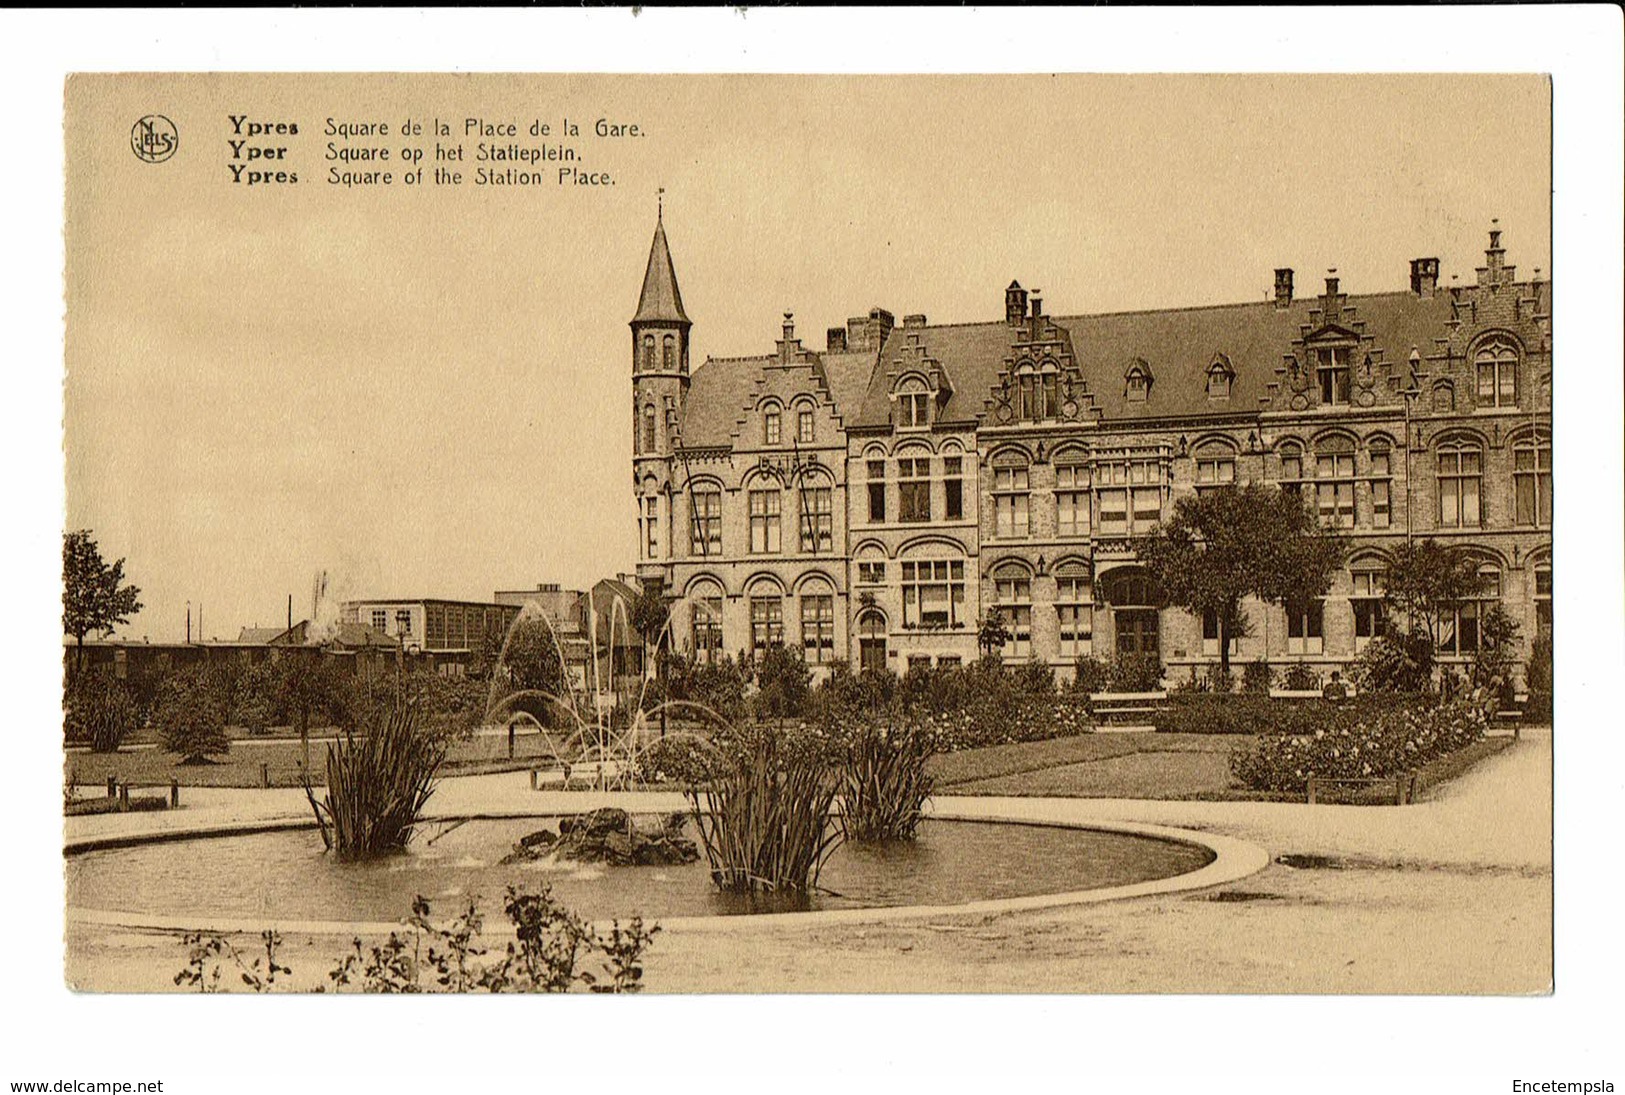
<point x="660" y="332"/>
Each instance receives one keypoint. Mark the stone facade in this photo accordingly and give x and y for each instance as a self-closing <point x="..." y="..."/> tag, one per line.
<point x="875" y="500"/>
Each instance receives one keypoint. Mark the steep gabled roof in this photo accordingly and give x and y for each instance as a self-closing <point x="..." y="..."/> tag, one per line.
<point x="660" y="300"/>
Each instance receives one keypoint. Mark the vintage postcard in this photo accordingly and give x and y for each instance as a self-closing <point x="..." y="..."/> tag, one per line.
<point x="807" y="534"/>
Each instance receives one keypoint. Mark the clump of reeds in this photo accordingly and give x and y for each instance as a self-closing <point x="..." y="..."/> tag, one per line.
<point x="764" y="816"/>
<point x="884" y="783"/>
<point x="377" y="786"/>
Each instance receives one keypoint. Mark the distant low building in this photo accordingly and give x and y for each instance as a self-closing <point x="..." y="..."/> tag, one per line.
<point x="450" y="633"/>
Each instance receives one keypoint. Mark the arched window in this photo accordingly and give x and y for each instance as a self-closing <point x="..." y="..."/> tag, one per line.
<point x="1334" y="481"/>
<point x="804" y="426"/>
<point x="766" y="618"/>
<point x="1444" y="397"/>
<point x="1461" y="484"/>
<point x="1013" y="586"/>
<point x="1459" y="627"/>
<point x="706" y="502"/>
<point x="1218" y="379"/>
<point x="1026" y="393"/>
<point x="1292" y="467"/>
<point x="817" y="623"/>
<point x="1049" y="404"/>
<point x="668" y="356"/>
<point x="706" y="599"/>
<point x="913" y="404"/>
<point x="1532" y="482"/>
<point x="1012" y="497"/>
<point x="772" y="430"/>
<point x="872" y="641"/>
<point x="1496" y="362"/>
<point x="1215" y="466"/>
<point x="649" y="428"/>
<point x="648" y="353"/>
<point x="1071" y="495"/>
<point x="1074" y="609"/>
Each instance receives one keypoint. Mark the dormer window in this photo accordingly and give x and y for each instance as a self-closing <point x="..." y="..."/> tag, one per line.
<point x="913" y="405"/>
<point x="1049" y="404"/>
<point x="771" y="427"/>
<point x="1497" y="366"/>
<point x="1219" y="376"/>
<point x="1137" y="381"/>
<point x="1332" y="370"/>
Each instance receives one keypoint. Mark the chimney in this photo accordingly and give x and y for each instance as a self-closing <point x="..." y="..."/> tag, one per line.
<point x="1331" y="282"/>
<point x="1038" y="305"/>
<point x="1424" y="277"/>
<point x="835" y="340"/>
<point x="1283" y="287"/>
<point x="915" y="320"/>
<point x="880" y="324"/>
<point x="1015" y="304"/>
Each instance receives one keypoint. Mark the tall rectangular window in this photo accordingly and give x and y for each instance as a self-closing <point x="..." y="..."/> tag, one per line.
<point x="933" y="593"/>
<point x="877" y="491"/>
<point x="1015" y="602"/>
<point x="1210" y="636"/>
<point x="817" y="525"/>
<point x="1366" y="601"/>
<point x="818" y="629"/>
<point x="1332" y="363"/>
<point x="766" y="623"/>
<point x="804" y="427"/>
<point x="1334" y="489"/>
<point x="651" y="527"/>
<point x="707" y="530"/>
<point x="1074" y="609"/>
<point x="1532" y="483"/>
<point x="1012" y="503"/>
<point x="708" y="629"/>
<point x="1071" y="500"/>
<point x="1382" y="489"/>
<point x="770" y="428"/>
<point x="914" y="489"/>
<point x="953" y="488"/>
<point x="1460" y="486"/>
<point x="1305" y="627"/>
<point x="764" y="521"/>
<point x="1459" y="626"/>
<point x="1543" y="599"/>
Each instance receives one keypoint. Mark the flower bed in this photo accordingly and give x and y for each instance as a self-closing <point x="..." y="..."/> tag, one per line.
<point x="1360" y="745"/>
<point x="1007" y="720"/>
<point x="1244" y="713"/>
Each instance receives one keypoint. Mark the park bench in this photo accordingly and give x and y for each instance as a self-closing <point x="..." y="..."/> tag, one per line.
<point x="1404" y="786"/>
<point x="1112" y="708"/>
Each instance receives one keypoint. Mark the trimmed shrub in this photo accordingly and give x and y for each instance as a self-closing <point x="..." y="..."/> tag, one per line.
<point x="1256" y="678"/>
<point x="1354" y="745"/>
<point x="1035" y="678"/>
<point x="1136" y="673"/>
<point x="1538" y="679"/>
<point x="1396" y="662"/>
<point x="1092" y="675"/>
<point x="1300" y="678"/>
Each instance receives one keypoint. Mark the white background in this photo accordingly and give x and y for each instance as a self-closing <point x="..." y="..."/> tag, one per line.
<point x="1082" y="1043"/>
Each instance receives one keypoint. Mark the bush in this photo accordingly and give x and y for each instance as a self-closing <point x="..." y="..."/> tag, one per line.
<point x="783" y="683"/>
<point x="1091" y="675"/>
<point x="254" y="698"/>
<point x="1136" y="673"/>
<point x="1538" y="679"/>
<point x="1300" y="678"/>
<point x="1361" y="744"/>
<point x="1257" y="677"/>
<point x="680" y="758"/>
<point x="191" y="715"/>
<point x="99" y="711"/>
<point x="1206" y="713"/>
<point x="377" y="786"/>
<point x="1396" y="661"/>
<point x="1036" y="678"/>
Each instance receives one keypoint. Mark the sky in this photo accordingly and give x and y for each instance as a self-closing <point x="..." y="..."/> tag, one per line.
<point x="425" y="391"/>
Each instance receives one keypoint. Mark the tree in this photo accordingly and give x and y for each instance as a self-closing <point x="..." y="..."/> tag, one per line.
<point x="1427" y="579"/>
<point x="94" y="596"/>
<point x="1233" y="542"/>
<point x="191" y="714"/>
<point x="310" y="684"/>
<point x="784" y="683"/>
<point x="651" y="613"/>
<point x="992" y="633"/>
<point x="532" y="662"/>
<point x="100" y="712"/>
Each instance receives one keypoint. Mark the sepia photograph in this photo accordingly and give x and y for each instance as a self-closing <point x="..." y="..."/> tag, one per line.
<point x="1005" y="559"/>
<point x="566" y="515"/>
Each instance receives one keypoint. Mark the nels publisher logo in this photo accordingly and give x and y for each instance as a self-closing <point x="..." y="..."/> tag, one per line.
<point x="154" y="138"/>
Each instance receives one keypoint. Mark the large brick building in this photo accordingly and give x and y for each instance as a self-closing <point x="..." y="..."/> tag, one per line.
<point x="875" y="499"/>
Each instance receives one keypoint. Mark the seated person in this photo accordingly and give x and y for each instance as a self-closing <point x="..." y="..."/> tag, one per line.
<point x="1334" y="689"/>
